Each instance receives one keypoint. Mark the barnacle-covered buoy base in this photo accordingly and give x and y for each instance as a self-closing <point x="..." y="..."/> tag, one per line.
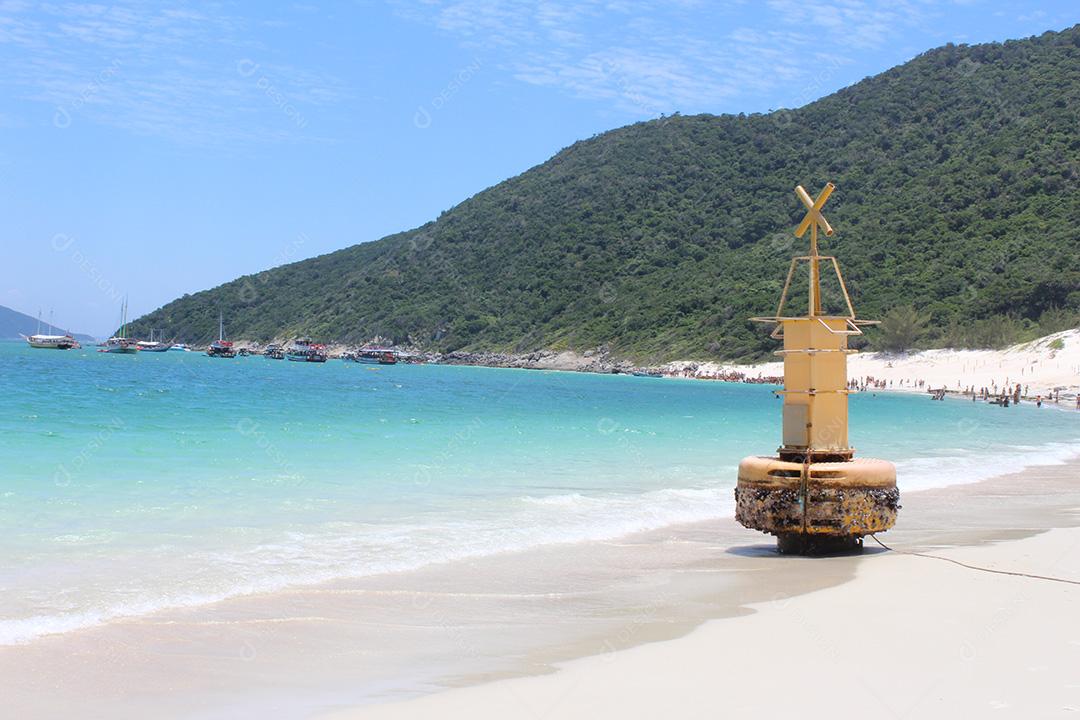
<point x="817" y="508"/>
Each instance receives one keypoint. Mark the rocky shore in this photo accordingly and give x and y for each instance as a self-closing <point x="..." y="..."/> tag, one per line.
<point x="598" y="360"/>
<point x="589" y="361"/>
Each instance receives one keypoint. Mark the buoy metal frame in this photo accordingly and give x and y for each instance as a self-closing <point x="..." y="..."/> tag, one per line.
<point x="814" y="496"/>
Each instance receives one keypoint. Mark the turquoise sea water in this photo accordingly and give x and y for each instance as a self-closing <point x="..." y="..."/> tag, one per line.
<point x="132" y="483"/>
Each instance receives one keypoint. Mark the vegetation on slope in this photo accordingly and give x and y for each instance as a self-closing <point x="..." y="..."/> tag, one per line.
<point x="956" y="195"/>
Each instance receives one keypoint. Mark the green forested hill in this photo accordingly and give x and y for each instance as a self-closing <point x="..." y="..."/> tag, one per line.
<point x="957" y="193"/>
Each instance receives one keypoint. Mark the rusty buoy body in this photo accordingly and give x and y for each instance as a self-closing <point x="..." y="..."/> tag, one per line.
<point x="816" y="507"/>
<point x="815" y="496"/>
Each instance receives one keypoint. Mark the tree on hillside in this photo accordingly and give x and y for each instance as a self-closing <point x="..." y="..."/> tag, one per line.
<point x="902" y="327"/>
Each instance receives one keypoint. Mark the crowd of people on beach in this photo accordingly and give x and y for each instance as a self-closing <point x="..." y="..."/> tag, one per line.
<point x="870" y="382"/>
<point x="725" y="375"/>
<point x="1005" y="394"/>
<point x="1015" y="393"/>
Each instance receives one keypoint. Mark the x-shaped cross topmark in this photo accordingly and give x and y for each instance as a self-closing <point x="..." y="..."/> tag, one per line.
<point x="813" y="210"/>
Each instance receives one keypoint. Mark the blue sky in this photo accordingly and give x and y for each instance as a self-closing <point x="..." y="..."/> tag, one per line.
<point x="155" y="149"/>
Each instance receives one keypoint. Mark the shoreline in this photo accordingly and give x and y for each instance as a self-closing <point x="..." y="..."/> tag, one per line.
<point x="704" y="487"/>
<point x="1048" y="366"/>
<point x="1018" y="460"/>
<point x="461" y="620"/>
<point x="874" y="645"/>
<point x="619" y="678"/>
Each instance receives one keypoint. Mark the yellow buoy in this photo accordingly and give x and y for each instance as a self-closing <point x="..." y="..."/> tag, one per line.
<point x="814" y="496"/>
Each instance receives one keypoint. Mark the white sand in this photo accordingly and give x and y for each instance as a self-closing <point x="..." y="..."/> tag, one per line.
<point x="910" y="637"/>
<point x="1037" y="365"/>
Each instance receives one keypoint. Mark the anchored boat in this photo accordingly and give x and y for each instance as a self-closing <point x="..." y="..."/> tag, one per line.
<point x="121" y="344"/>
<point x="153" y="346"/>
<point x="221" y="348"/>
<point x="303" y="350"/>
<point x="374" y="356"/>
<point x="50" y="341"/>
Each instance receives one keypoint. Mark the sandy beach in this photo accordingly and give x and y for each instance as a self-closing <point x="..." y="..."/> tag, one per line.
<point x="902" y="636"/>
<point x="1046" y="366"/>
<point x="907" y="637"/>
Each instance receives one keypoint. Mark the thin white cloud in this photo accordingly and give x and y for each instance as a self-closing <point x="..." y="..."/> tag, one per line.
<point x="647" y="58"/>
<point x="168" y="71"/>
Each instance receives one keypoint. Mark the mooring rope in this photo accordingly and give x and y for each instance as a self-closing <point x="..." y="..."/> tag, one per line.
<point x="976" y="567"/>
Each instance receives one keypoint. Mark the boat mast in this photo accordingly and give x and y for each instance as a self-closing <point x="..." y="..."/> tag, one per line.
<point x="221" y="327"/>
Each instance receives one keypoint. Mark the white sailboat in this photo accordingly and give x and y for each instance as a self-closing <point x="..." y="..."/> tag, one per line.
<point x="153" y="346"/>
<point x="121" y="344"/>
<point x="49" y="340"/>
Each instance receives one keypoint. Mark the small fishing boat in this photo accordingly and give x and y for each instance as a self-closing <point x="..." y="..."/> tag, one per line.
<point x="221" y="348"/>
<point x="121" y="344"/>
<point x="274" y="352"/>
<point x="375" y="356"/>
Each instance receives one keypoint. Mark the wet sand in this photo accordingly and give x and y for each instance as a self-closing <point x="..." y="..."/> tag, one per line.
<point x="459" y="633"/>
<point x="910" y="637"/>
